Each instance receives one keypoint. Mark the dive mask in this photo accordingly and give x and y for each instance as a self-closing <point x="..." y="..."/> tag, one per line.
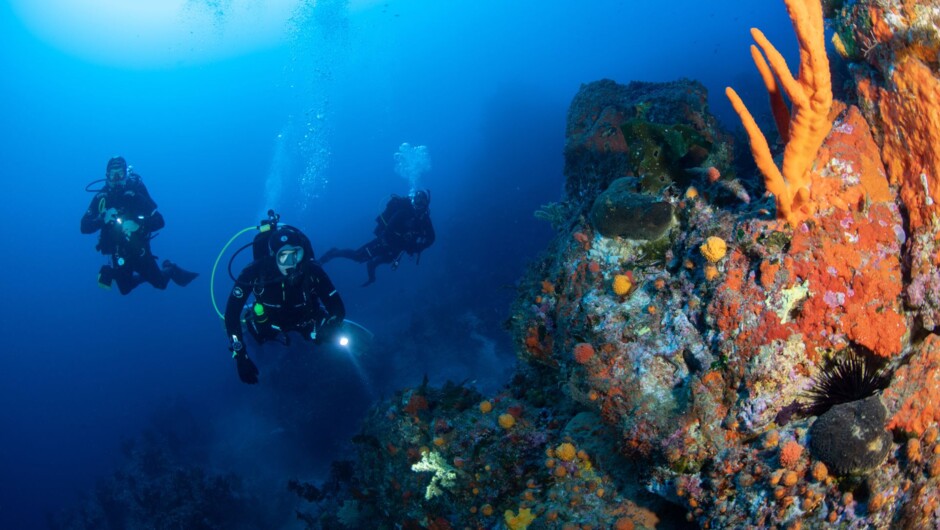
<point x="289" y="256"/>
<point x="116" y="176"/>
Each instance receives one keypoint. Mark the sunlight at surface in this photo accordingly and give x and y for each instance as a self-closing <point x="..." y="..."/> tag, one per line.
<point x="158" y="33"/>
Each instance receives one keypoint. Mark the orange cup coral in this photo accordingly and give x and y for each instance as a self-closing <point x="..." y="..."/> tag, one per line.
<point x="714" y="249"/>
<point x="506" y="421"/>
<point x="565" y="451"/>
<point x="622" y="284"/>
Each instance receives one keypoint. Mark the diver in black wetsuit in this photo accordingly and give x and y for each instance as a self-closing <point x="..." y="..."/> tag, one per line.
<point x="291" y="293"/>
<point x="127" y="217"/>
<point x="404" y="226"/>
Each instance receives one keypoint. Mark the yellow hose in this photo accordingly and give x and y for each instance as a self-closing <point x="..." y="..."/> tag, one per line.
<point x="216" y="266"/>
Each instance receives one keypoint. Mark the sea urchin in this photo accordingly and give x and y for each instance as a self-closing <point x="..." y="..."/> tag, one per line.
<point x="850" y="375"/>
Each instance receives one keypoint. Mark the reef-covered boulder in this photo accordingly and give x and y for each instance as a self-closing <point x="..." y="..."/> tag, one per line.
<point x="653" y="131"/>
<point x="622" y="212"/>
<point x="451" y="458"/>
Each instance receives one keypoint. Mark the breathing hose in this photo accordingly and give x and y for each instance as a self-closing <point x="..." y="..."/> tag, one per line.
<point x="215" y="266"/>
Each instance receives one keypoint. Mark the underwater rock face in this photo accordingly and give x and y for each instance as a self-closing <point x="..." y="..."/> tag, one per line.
<point x="620" y="212"/>
<point x="893" y="48"/>
<point x="851" y="438"/>
<point x="691" y="349"/>
<point x="694" y="361"/>
<point x="914" y="393"/>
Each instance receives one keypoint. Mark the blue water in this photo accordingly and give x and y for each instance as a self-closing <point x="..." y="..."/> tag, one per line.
<point x="307" y="124"/>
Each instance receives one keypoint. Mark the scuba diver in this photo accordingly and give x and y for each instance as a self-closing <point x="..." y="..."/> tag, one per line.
<point x="291" y="293"/>
<point x="127" y="218"/>
<point x="404" y="226"/>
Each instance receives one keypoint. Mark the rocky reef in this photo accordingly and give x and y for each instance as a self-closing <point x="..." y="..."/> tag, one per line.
<point x="163" y="482"/>
<point x="703" y="344"/>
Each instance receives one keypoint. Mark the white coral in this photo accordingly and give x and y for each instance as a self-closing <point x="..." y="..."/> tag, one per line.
<point x="444" y="475"/>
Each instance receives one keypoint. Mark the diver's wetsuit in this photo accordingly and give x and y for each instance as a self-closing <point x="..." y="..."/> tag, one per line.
<point x="132" y="261"/>
<point x="406" y="231"/>
<point x="304" y="301"/>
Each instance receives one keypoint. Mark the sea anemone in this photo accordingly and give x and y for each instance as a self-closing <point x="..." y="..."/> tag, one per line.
<point x="850" y="375"/>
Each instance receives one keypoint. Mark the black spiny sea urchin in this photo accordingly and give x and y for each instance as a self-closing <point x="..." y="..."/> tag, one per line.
<point x="850" y="375"/>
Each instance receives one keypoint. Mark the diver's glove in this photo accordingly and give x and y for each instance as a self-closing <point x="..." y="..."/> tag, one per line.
<point x="129" y="226"/>
<point x="109" y="215"/>
<point x="247" y="371"/>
